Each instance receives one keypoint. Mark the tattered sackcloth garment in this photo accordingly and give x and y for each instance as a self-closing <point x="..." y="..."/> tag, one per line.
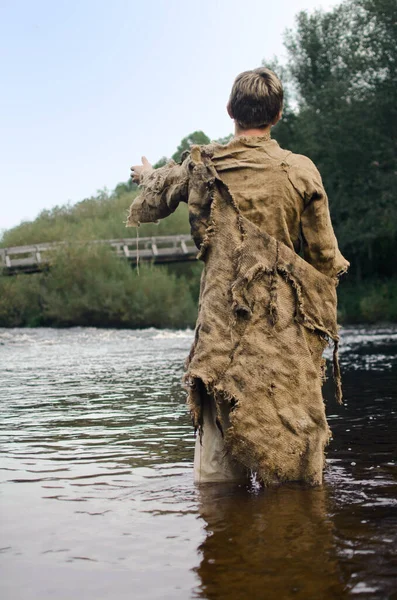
<point x="265" y="314"/>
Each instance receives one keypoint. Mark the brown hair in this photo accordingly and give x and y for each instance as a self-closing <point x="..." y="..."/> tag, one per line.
<point x="256" y="98"/>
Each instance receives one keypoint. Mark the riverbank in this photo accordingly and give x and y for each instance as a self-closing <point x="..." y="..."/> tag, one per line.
<point x="89" y="286"/>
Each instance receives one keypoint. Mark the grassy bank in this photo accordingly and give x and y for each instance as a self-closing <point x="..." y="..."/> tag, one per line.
<point x="89" y="286"/>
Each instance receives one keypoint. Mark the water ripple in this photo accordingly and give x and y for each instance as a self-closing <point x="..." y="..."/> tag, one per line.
<point x="96" y="479"/>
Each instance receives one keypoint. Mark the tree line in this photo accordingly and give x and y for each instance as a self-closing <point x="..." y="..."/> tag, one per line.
<point x="341" y="111"/>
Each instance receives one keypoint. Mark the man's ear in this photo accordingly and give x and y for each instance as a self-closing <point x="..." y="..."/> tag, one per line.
<point x="229" y="110"/>
<point x="277" y="117"/>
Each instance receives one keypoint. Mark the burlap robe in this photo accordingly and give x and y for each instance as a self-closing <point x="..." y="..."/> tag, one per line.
<point x="264" y="318"/>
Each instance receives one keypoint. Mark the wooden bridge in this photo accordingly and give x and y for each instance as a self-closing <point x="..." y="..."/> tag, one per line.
<point x="163" y="249"/>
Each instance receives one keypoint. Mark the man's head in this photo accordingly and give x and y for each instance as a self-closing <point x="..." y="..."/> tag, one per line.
<point x="256" y="99"/>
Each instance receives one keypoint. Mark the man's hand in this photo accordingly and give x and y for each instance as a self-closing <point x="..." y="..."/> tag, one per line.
<point x="138" y="170"/>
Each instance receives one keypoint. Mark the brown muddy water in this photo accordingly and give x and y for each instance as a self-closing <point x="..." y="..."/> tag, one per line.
<point x="96" y="493"/>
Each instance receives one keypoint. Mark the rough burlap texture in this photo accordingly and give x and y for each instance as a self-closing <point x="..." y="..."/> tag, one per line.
<point x="265" y="314"/>
<point x="264" y="318"/>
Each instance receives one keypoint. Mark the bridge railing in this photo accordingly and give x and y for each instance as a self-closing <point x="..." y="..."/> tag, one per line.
<point x="160" y="249"/>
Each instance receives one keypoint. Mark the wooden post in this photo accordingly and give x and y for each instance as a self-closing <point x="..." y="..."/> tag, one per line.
<point x="154" y="247"/>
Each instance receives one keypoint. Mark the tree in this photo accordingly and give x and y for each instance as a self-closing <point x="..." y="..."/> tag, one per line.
<point x="197" y="137"/>
<point x="225" y="140"/>
<point x="161" y="162"/>
<point x="342" y="65"/>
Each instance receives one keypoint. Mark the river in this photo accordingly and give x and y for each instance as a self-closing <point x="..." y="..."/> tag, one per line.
<point x="96" y="486"/>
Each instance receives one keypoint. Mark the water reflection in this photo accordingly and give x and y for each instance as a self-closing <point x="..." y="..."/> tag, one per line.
<point x="273" y="544"/>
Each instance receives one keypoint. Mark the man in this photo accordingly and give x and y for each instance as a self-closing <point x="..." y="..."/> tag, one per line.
<point x="265" y="314"/>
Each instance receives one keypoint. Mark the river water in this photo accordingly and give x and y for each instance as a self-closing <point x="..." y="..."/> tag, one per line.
<point x="96" y="492"/>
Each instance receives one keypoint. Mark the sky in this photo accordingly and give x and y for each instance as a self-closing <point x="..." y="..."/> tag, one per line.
<point x="89" y="86"/>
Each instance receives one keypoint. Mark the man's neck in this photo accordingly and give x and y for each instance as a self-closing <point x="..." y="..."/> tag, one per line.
<point x="248" y="132"/>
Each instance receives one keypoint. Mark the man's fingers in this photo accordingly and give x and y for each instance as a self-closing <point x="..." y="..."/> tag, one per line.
<point x="137" y="170"/>
<point x="134" y="173"/>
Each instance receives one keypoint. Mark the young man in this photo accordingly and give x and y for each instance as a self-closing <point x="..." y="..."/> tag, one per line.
<point x="265" y="314"/>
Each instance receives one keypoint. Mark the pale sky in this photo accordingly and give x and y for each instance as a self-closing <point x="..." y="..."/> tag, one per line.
<point x="88" y="86"/>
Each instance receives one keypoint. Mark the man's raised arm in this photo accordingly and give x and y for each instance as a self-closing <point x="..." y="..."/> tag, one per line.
<point x="161" y="191"/>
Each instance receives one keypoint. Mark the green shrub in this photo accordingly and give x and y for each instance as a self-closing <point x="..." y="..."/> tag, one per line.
<point x="20" y="300"/>
<point x="380" y="302"/>
<point x="368" y="302"/>
<point x="90" y="286"/>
